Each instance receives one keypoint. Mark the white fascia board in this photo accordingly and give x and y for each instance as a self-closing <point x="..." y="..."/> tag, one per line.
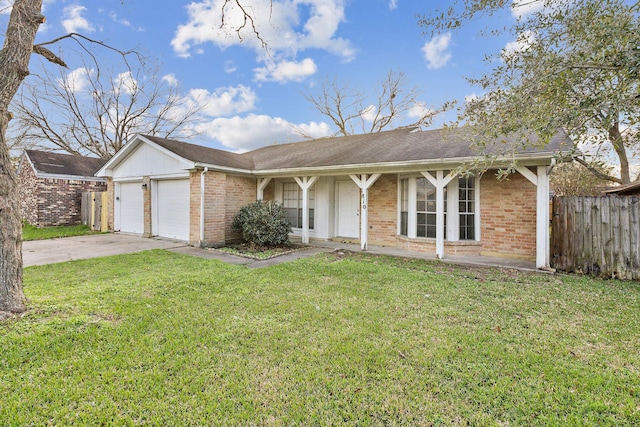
<point x="70" y="177"/>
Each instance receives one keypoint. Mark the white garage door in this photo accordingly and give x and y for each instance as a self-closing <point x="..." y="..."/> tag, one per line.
<point x="130" y="208"/>
<point x="171" y="217"/>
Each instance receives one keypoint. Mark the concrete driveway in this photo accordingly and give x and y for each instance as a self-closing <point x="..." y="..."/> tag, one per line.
<point x="40" y="252"/>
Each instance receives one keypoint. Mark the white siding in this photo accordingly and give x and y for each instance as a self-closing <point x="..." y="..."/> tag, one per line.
<point x="149" y="161"/>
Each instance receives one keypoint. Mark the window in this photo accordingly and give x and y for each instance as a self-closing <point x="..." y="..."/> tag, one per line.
<point x="417" y="204"/>
<point x="404" y="206"/>
<point x="426" y="208"/>
<point x="467" y="207"/>
<point x="292" y="203"/>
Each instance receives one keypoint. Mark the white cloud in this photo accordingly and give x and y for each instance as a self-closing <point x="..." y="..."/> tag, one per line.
<point x="77" y="80"/>
<point x="368" y="113"/>
<point x="285" y="31"/>
<point x="224" y="101"/>
<point x="125" y="82"/>
<point x="125" y="22"/>
<point x="287" y="71"/>
<point x="419" y="110"/>
<point x="170" y="79"/>
<point x="523" y="42"/>
<point x="522" y="8"/>
<point x="393" y="4"/>
<point x="254" y="131"/>
<point x="74" y="22"/>
<point x="471" y="98"/>
<point x="436" y="51"/>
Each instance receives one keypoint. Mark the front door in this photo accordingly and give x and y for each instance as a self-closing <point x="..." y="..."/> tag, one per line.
<point x="348" y="209"/>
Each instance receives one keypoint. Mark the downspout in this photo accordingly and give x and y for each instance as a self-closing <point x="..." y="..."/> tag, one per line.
<point x="204" y="171"/>
<point x="551" y="166"/>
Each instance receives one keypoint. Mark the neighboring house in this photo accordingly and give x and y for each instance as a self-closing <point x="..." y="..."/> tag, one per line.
<point x="631" y="189"/>
<point x="391" y="188"/>
<point x="51" y="186"/>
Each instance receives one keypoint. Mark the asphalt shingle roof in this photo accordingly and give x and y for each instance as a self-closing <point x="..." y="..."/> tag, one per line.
<point x="395" y="146"/>
<point x="64" y="164"/>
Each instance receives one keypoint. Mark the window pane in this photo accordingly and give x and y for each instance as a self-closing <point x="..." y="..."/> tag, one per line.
<point x="292" y="216"/>
<point x="431" y="220"/>
<point x="404" y="223"/>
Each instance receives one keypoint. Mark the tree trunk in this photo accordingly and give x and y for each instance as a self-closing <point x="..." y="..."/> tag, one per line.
<point x="21" y="31"/>
<point x="615" y="137"/>
<point x="11" y="296"/>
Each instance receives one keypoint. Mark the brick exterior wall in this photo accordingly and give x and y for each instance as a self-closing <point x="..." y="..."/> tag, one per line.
<point x="214" y="208"/>
<point x="28" y="189"/>
<point x="383" y="210"/>
<point x="240" y="192"/>
<point x="508" y="216"/>
<point x="48" y="202"/>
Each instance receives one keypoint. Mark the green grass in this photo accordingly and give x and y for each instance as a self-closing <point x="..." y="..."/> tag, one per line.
<point x="157" y="338"/>
<point x="31" y="232"/>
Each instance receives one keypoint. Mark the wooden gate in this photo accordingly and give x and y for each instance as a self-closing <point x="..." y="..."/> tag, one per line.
<point x="94" y="210"/>
<point x="597" y="235"/>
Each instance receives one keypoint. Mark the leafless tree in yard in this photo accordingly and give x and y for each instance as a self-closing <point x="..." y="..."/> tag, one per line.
<point x="95" y="110"/>
<point x="349" y="111"/>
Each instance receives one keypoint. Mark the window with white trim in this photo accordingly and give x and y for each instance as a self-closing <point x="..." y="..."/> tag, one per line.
<point x="292" y="203"/>
<point x="467" y="207"/>
<point x="418" y="208"/>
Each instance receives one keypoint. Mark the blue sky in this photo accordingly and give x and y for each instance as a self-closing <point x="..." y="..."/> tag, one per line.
<point x="254" y="99"/>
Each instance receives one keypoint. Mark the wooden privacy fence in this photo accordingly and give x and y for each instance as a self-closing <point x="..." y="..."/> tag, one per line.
<point x="596" y="235"/>
<point x="94" y="210"/>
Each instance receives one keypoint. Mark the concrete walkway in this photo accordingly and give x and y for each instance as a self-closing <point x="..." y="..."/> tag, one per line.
<point x="40" y="252"/>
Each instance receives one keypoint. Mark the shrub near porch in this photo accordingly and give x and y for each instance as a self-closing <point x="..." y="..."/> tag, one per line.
<point x="159" y="338"/>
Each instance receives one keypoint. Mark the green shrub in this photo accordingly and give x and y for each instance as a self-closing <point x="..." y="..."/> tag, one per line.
<point x="263" y="224"/>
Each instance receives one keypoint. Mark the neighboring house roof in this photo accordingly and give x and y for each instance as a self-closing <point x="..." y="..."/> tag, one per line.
<point x="630" y="189"/>
<point x="61" y="166"/>
<point x="395" y="150"/>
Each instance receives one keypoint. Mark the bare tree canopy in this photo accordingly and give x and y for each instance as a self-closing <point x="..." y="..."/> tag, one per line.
<point x="350" y="112"/>
<point x="575" y="65"/>
<point x="95" y="110"/>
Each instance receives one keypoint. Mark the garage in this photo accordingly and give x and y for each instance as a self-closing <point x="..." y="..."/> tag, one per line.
<point x="129" y="207"/>
<point x="170" y="214"/>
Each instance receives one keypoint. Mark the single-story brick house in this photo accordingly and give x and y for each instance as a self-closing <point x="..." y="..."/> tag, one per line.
<point x="51" y="186"/>
<point x="392" y="188"/>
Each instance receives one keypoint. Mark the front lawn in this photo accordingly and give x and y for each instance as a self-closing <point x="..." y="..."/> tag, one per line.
<point x="31" y="232"/>
<point x="157" y="338"/>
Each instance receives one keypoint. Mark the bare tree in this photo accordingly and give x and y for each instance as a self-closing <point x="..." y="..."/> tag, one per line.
<point x="92" y="110"/>
<point x="348" y="109"/>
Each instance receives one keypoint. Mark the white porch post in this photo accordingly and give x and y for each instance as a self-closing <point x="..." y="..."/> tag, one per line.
<point x="541" y="181"/>
<point x="262" y="184"/>
<point x="364" y="184"/>
<point x="440" y="182"/>
<point x="305" y="183"/>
